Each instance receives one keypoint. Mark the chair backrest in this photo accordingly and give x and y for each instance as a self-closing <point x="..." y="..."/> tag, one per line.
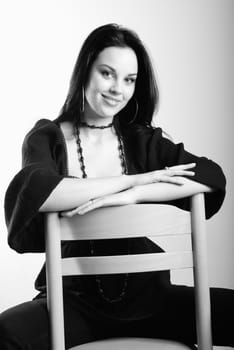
<point x="126" y="222"/>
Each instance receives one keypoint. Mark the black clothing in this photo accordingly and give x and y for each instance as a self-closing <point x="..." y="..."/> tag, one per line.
<point x="26" y="326"/>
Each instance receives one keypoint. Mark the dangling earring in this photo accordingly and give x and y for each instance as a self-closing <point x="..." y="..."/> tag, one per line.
<point x="136" y="111"/>
<point x="82" y="100"/>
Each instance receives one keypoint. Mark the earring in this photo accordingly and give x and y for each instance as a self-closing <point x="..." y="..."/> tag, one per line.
<point x="136" y="111"/>
<point x="82" y="100"/>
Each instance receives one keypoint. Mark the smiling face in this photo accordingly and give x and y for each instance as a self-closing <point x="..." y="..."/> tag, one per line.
<point x="111" y="82"/>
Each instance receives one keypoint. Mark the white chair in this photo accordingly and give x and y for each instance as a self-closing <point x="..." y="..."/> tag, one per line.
<point x="121" y="222"/>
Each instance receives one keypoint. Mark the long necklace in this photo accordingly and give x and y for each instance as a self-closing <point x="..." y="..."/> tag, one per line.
<point x="84" y="175"/>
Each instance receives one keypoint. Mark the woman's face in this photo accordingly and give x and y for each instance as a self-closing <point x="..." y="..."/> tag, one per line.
<point x="111" y="82"/>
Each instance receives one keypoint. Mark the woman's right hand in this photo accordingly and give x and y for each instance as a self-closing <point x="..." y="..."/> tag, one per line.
<point x="169" y="175"/>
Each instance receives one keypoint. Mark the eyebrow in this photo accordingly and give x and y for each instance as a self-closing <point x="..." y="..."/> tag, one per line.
<point x="113" y="70"/>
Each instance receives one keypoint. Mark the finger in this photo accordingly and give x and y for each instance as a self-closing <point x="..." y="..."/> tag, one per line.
<point x="77" y="210"/>
<point x="183" y="166"/>
<point x="87" y="209"/>
<point x="88" y="204"/>
<point x="179" y="173"/>
<point x="91" y="205"/>
<point x="69" y="213"/>
<point x="172" y="180"/>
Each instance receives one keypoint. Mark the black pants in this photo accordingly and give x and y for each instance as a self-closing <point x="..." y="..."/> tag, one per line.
<point x="26" y="326"/>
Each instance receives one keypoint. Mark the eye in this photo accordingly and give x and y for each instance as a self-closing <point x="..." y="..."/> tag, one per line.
<point x="106" y="74"/>
<point x="130" y="81"/>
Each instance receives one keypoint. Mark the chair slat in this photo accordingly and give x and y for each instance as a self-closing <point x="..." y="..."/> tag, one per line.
<point x="127" y="221"/>
<point x="126" y="263"/>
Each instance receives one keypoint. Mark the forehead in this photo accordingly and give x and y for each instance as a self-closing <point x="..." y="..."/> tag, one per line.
<point x="122" y="59"/>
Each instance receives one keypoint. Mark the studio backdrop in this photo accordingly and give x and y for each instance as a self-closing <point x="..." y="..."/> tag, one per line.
<point x="191" y="45"/>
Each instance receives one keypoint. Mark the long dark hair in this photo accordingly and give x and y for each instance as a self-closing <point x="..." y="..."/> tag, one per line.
<point x="146" y="90"/>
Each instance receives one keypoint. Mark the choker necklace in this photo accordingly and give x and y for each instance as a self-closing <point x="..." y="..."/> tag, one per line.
<point x="84" y="175"/>
<point x="95" y="126"/>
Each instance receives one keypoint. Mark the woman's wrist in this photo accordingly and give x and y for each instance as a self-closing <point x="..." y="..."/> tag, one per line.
<point x="131" y="180"/>
<point x="160" y="192"/>
<point x="139" y="179"/>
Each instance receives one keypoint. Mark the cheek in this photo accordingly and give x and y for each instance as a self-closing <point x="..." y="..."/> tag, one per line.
<point x="97" y="83"/>
<point x="129" y="93"/>
<point x="92" y="84"/>
<point x="91" y="91"/>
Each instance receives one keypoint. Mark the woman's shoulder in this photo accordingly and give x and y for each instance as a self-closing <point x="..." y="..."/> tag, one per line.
<point x="43" y="128"/>
<point x="44" y="132"/>
<point x="144" y="132"/>
<point x="44" y="124"/>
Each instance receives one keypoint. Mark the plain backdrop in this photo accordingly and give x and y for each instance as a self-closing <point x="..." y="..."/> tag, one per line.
<point x="191" y="43"/>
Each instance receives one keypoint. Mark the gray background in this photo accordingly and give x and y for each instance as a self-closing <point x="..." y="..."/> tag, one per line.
<point x="191" y="45"/>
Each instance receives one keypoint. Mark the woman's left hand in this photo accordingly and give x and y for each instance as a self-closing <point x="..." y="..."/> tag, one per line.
<point x="121" y="198"/>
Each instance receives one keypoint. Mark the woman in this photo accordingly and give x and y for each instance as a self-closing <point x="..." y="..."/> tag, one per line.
<point x="101" y="151"/>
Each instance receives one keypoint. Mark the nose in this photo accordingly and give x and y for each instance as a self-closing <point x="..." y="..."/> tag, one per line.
<point x="116" y="87"/>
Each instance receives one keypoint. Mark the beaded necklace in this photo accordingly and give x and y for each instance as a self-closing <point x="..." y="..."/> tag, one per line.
<point x="84" y="175"/>
<point x="90" y="126"/>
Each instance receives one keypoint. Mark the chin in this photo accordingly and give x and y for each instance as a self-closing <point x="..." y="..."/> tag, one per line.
<point x="110" y="112"/>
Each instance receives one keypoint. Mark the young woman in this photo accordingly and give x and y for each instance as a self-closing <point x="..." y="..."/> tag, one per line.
<point x="102" y="151"/>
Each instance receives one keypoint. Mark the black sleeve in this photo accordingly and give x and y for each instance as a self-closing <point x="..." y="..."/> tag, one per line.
<point x="166" y="153"/>
<point x="30" y="188"/>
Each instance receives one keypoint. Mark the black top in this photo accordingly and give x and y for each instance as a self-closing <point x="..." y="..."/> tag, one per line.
<point x="44" y="165"/>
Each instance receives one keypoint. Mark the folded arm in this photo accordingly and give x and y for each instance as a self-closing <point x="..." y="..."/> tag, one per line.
<point x="154" y="192"/>
<point x="71" y="193"/>
<point x="163" y="192"/>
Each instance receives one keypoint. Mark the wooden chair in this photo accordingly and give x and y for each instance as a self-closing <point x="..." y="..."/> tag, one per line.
<point x="121" y="222"/>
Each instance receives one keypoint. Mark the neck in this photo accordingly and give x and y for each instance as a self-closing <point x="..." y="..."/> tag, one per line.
<point x="97" y="131"/>
<point x="90" y="117"/>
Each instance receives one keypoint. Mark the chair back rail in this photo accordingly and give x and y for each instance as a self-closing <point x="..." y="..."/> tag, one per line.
<point x="126" y="221"/>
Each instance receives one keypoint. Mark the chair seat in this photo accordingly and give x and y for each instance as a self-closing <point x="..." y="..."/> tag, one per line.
<point x="132" y="344"/>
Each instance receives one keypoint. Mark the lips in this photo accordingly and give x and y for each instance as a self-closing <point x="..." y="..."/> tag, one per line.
<point x="110" y="100"/>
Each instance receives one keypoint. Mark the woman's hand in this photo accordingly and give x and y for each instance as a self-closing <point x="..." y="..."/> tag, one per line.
<point x="173" y="175"/>
<point x="121" y="198"/>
